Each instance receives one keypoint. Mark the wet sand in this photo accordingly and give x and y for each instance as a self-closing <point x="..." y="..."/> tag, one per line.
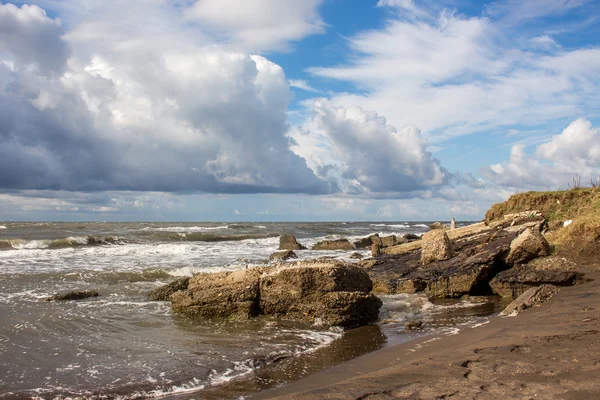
<point x="548" y="352"/>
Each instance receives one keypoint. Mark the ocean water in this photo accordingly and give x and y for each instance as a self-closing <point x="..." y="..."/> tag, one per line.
<point x="120" y="345"/>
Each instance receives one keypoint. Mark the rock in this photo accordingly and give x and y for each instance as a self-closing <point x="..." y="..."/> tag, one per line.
<point x="363" y="243"/>
<point x="436" y="247"/>
<point x="387" y="241"/>
<point x="356" y="256"/>
<point x="412" y="325"/>
<point x="375" y="249"/>
<point x="528" y="245"/>
<point x="532" y="297"/>
<point x="411" y="237"/>
<point x="339" y="244"/>
<point x="220" y="295"/>
<point x="289" y="242"/>
<point x="375" y="239"/>
<point x="282" y="255"/>
<point x="517" y="280"/>
<point x="316" y="292"/>
<point x="453" y="224"/>
<point x="437" y="225"/>
<point x="478" y="258"/>
<point x="73" y="295"/>
<point x="164" y="293"/>
<point x="327" y="293"/>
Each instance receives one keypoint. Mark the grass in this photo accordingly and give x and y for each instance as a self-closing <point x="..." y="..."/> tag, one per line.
<point x="581" y="205"/>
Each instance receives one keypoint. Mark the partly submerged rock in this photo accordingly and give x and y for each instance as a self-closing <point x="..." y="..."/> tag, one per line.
<point x="528" y="245"/>
<point x="517" y="280"/>
<point x="316" y="292"/>
<point x="530" y="298"/>
<point x="338" y="244"/>
<point x="164" y="293"/>
<point x="282" y="255"/>
<point x="436" y="247"/>
<point x="289" y="242"/>
<point x="356" y="256"/>
<point x="363" y="243"/>
<point x="411" y="237"/>
<point x="73" y="295"/>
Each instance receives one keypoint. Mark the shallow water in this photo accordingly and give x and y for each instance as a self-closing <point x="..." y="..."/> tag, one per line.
<point x="121" y="345"/>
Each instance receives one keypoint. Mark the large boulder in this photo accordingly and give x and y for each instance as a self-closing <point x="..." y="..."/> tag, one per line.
<point x="375" y="239"/>
<point x="289" y="242"/>
<point x="517" y="280"/>
<point x="220" y="295"/>
<point x="164" y="293"/>
<point x="316" y="292"/>
<point x="328" y="293"/>
<point x="532" y="297"/>
<point x="363" y="243"/>
<point x="436" y="247"/>
<point x="282" y="255"/>
<point x="528" y="245"/>
<point x="338" y="244"/>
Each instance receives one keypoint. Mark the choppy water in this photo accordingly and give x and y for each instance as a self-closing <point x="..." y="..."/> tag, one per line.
<point x="121" y="345"/>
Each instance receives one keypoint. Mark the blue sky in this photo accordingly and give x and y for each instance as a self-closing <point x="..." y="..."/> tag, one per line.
<point x="231" y="110"/>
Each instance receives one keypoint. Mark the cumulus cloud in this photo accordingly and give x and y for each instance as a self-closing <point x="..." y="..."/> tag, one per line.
<point x="576" y="151"/>
<point x="140" y="114"/>
<point x="369" y="155"/>
<point x="259" y="25"/>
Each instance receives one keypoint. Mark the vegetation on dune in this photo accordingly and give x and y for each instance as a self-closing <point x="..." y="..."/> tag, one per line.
<point x="579" y="205"/>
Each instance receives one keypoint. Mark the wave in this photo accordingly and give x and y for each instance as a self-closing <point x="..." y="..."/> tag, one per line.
<point x="3" y="227"/>
<point x="401" y="226"/>
<point x="210" y="237"/>
<point x="185" y="229"/>
<point x="22" y="244"/>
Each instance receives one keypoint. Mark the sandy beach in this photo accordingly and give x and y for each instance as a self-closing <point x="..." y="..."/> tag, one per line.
<point x="548" y="352"/>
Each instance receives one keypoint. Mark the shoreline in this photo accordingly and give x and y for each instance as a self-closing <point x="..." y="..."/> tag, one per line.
<point x="552" y="351"/>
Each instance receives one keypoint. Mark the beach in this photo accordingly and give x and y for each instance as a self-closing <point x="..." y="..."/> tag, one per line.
<point x="547" y="352"/>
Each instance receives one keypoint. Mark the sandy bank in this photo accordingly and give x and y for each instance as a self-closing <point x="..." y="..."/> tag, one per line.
<point x="549" y="352"/>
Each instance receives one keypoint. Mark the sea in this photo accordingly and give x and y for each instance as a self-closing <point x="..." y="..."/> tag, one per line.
<point x="120" y="345"/>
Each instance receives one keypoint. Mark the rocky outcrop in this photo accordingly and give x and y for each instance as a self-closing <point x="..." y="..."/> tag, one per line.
<point x="338" y="244"/>
<point x="164" y="293"/>
<point x="289" y="242"/>
<point x="478" y="258"/>
<point x="375" y="249"/>
<point x="436" y="246"/>
<point x="411" y="237"/>
<point x="73" y="295"/>
<point x="318" y="292"/>
<point x="528" y="245"/>
<point x="282" y="255"/>
<point x="517" y="280"/>
<point x="530" y="298"/>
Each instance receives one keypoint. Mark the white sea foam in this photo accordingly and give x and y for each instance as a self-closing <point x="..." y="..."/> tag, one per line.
<point x="186" y="228"/>
<point x="3" y="227"/>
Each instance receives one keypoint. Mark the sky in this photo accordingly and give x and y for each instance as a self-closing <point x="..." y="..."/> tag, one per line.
<point x="293" y="110"/>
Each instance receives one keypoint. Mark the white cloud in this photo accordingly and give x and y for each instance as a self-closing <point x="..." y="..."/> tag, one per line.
<point x="302" y="84"/>
<point x="259" y="25"/>
<point x="576" y="151"/>
<point x="369" y="155"/>
<point x="454" y="75"/>
<point x="142" y="113"/>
